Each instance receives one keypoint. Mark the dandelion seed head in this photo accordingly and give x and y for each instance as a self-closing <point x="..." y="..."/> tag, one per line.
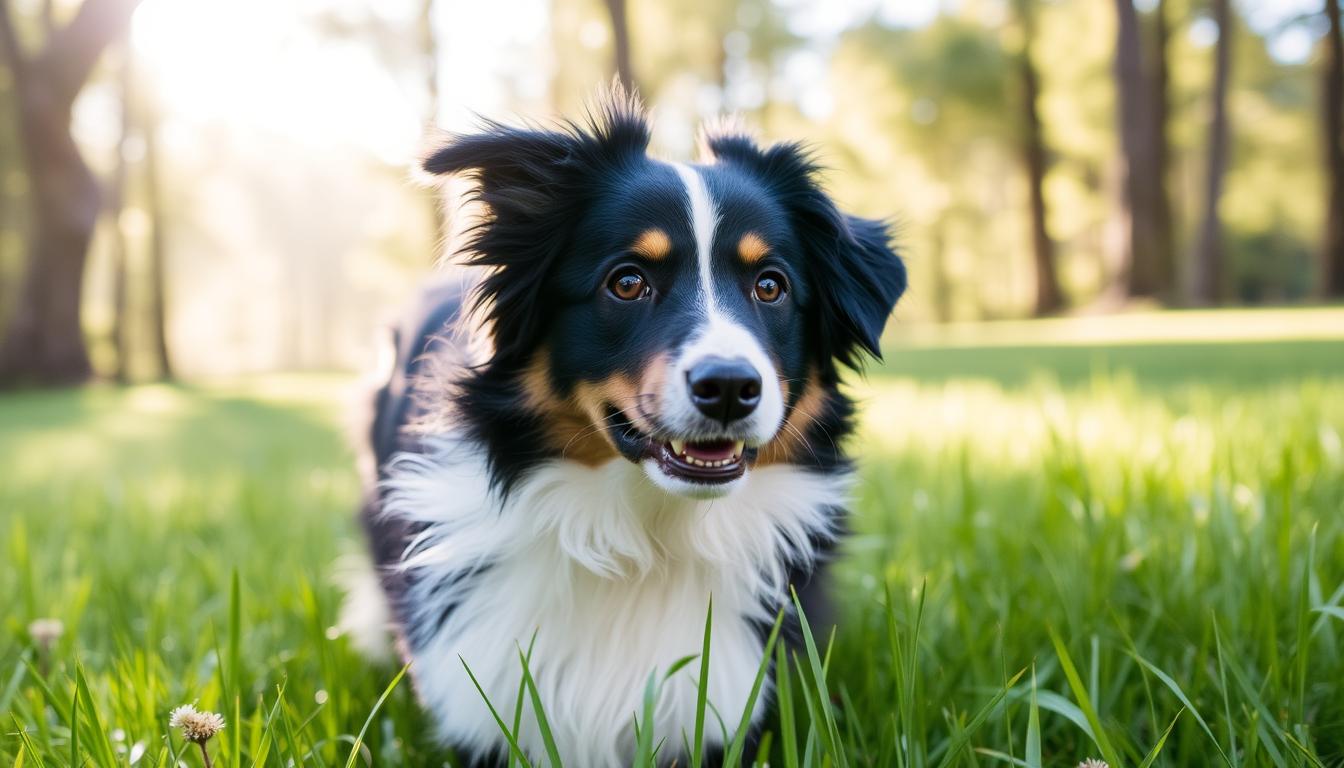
<point x="1093" y="763"/>
<point x="46" y="631"/>
<point x="195" y="725"/>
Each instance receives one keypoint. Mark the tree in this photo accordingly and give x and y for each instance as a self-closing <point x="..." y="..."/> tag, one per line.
<point x="116" y="205"/>
<point x="1135" y="107"/>
<point x="620" y="33"/>
<point x="1332" y="124"/>
<point x="158" y="310"/>
<point x="1049" y="299"/>
<point x="1163" y="263"/>
<point x="429" y="49"/>
<point x="1208" y="257"/>
<point x="44" y="340"/>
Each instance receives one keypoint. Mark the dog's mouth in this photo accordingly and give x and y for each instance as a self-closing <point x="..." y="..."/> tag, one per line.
<point x="707" y="462"/>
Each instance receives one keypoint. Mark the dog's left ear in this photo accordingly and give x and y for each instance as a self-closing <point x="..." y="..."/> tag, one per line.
<point x="855" y="274"/>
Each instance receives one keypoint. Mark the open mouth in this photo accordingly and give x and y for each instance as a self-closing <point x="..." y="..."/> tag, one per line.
<point x="708" y="461"/>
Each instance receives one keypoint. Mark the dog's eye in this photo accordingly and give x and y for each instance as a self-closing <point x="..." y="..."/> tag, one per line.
<point x="627" y="284"/>
<point x="770" y="287"/>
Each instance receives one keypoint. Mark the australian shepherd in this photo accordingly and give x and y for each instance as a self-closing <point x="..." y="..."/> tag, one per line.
<point x="634" y="409"/>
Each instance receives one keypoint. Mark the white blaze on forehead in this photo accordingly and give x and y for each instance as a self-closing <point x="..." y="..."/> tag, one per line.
<point x="717" y="334"/>
<point x="704" y="220"/>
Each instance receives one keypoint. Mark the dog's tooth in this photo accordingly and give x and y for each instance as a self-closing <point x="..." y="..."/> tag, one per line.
<point x="737" y="448"/>
<point x="678" y="447"/>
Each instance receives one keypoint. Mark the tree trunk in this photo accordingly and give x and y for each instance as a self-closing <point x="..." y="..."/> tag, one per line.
<point x="620" y="33"/>
<point x="1136" y="142"/>
<point x="117" y="205"/>
<point x="1206" y="282"/>
<point x="942" y="281"/>
<point x="44" y="340"/>
<point x="1049" y="299"/>
<point x="1164" y="246"/>
<point x="429" y="48"/>
<point x="1332" y="113"/>
<point x="158" y="312"/>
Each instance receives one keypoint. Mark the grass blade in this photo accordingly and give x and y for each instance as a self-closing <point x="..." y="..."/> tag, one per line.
<point x="1175" y="688"/>
<point x="831" y="736"/>
<point x="543" y="725"/>
<point x="74" y="730"/>
<point x="964" y="735"/>
<point x="698" y="748"/>
<point x="515" y="751"/>
<point x="1084" y="702"/>
<point x="377" y="705"/>
<point x="517" y="702"/>
<point x="1162" y="742"/>
<point x="788" y="731"/>
<point x="1033" y="746"/>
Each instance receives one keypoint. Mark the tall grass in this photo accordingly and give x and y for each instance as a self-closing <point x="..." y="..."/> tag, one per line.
<point x="1143" y="569"/>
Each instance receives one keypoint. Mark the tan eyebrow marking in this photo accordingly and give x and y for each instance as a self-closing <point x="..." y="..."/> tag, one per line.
<point x="652" y="243"/>
<point x="751" y="248"/>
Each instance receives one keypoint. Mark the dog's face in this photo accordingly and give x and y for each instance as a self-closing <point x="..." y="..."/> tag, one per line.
<point x="688" y="318"/>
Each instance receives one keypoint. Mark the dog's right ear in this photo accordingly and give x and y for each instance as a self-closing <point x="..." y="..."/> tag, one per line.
<point x="506" y="163"/>
<point x="535" y="185"/>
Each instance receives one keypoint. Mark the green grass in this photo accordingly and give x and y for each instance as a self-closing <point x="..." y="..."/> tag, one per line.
<point x="1060" y="551"/>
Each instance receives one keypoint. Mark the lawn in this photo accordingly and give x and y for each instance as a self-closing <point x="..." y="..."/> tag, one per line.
<point x="1128" y="545"/>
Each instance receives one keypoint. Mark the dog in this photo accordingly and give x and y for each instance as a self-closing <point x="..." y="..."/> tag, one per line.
<point x="635" y="410"/>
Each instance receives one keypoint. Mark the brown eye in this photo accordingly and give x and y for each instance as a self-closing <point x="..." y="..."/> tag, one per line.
<point x="769" y="287"/>
<point x="628" y="285"/>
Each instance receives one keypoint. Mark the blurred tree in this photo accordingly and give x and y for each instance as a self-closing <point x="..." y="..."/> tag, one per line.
<point x="620" y="33"/>
<point x="1207" y="261"/>
<point x="44" y="339"/>
<point x="951" y="85"/>
<point x="158" y="300"/>
<point x="1163" y="263"/>
<point x="429" y="48"/>
<point x="1138" y="143"/>
<point x="117" y="197"/>
<point x="1332" y="125"/>
<point x="1049" y="299"/>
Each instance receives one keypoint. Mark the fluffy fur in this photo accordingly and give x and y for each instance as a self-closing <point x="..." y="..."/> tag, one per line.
<point x="548" y="495"/>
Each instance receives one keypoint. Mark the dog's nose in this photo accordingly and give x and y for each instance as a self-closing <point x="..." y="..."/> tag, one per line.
<point x="724" y="390"/>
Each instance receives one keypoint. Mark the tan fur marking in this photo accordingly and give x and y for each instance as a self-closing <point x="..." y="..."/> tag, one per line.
<point x="790" y="446"/>
<point x="569" y="428"/>
<point x="653" y="244"/>
<point x="751" y="248"/>
<point x="577" y="426"/>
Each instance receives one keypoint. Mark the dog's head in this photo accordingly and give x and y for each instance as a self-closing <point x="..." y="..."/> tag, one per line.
<point x="680" y="316"/>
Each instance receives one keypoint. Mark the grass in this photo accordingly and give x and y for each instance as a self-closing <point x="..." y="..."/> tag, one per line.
<point x="1132" y="551"/>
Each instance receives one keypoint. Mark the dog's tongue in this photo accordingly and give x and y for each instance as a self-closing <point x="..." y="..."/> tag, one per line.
<point x="714" y="450"/>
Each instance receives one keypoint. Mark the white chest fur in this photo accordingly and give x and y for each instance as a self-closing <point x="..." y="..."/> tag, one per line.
<point x="612" y="575"/>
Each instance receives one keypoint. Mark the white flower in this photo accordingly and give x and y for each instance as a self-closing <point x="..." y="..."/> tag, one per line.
<point x="1093" y="763"/>
<point x="196" y="726"/>
<point x="46" y="631"/>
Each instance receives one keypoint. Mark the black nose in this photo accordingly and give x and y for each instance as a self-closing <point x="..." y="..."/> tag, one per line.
<point x="724" y="390"/>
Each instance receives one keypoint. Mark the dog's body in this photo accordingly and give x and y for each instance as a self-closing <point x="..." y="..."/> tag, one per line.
<point x="654" y="423"/>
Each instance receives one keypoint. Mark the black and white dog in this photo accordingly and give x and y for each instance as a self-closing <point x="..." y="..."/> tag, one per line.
<point x="652" y="419"/>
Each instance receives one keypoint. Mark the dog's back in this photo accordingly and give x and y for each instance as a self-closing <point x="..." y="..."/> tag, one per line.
<point x="422" y="342"/>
